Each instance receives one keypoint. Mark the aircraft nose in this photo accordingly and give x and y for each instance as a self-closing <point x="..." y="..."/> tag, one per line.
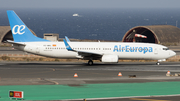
<point x="172" y="53"/>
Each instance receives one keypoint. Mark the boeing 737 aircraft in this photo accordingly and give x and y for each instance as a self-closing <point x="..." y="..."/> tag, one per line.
<point x="104" y="51"/>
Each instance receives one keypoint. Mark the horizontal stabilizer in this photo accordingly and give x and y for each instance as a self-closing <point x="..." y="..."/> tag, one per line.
<point x="18" y="43"/>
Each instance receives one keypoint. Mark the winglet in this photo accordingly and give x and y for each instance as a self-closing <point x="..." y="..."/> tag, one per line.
<point x="67" y="39"/>
<point x="67" y="46"/>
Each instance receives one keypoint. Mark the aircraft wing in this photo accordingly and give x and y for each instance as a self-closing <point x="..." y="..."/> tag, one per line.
<point x="82" y="53"/>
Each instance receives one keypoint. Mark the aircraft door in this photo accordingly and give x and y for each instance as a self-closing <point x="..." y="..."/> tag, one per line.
<point x="37" y="50"/>
<point x="155" y="50"/>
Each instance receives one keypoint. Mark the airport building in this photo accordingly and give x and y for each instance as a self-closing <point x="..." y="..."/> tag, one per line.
<point x="159" y="34"/>
<point x="51" y="36"/>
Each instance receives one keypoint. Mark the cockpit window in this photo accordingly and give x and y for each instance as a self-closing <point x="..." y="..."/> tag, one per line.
<point x="165" y="48"/>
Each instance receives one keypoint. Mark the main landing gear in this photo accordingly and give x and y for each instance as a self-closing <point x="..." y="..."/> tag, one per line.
<point x="90" y="62"/>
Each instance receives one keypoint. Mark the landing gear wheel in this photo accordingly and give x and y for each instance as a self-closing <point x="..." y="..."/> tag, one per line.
<point x="90" y="62"/>
<point x="157" y="63"/>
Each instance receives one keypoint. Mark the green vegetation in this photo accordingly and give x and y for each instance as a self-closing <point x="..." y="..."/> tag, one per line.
<point x="56" y="59"/>
<point x="41" y="59"/>
<point x="5" y="45"/>
<point x="5" y="58"/>
<point x="170" y="44"/>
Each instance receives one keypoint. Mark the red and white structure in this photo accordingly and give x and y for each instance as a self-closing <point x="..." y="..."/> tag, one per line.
<point x="16" y="94"/>
<point x="141" y="36"/>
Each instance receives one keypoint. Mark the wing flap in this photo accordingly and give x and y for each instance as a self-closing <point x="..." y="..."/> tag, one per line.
<point x="84" y="53"/>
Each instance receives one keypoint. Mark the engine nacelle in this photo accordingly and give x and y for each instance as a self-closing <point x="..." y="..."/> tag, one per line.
<point x="109" y="58"/>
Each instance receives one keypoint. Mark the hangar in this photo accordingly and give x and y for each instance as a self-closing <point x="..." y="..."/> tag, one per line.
<point x="159" y="34"/>
<point x="6" y="34"/>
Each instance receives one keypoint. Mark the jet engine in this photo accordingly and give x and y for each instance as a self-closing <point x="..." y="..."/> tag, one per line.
<point x="109" y="58"/>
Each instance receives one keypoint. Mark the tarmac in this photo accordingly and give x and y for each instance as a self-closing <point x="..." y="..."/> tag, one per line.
<point x="97" y="82"/>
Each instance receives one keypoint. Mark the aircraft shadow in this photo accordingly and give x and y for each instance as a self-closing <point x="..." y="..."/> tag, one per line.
<point x="84" y="64"/>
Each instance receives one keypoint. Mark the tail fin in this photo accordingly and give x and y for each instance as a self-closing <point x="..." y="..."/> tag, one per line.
<point x="19" y="30"/>
<point x="67" y="46"/>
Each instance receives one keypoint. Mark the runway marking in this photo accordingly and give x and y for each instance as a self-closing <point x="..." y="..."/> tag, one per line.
<point x="147" y="99"/>
<point x="36" y="72"/>
<point x="52" y="81"/>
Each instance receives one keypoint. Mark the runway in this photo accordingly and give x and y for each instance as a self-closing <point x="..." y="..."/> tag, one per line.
<point x="62" y="73"/>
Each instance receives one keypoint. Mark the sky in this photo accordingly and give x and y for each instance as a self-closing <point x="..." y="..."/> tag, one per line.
<point x="89" y="3"/>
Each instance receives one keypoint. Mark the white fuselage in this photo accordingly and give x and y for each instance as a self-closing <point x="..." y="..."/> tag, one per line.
<point x="124" y="50"/>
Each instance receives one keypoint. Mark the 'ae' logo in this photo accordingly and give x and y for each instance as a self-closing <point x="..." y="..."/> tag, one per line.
<point x="67" y="47"/>
<point x="18" y="29"/>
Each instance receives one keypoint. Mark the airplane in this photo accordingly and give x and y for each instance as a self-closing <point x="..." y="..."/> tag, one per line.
<point x="107" y="52"/>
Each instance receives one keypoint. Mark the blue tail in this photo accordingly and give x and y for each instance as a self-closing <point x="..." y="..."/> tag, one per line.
<point x="67" y="45"/>
<point x="19" y="30"/>
<point x="67" y="39"/>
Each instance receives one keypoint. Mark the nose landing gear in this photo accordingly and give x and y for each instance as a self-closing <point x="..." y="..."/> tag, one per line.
<point x="157" y="63"/>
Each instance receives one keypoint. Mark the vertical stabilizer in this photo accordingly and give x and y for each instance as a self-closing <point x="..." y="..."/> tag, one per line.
<point x="20" y="31"/>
